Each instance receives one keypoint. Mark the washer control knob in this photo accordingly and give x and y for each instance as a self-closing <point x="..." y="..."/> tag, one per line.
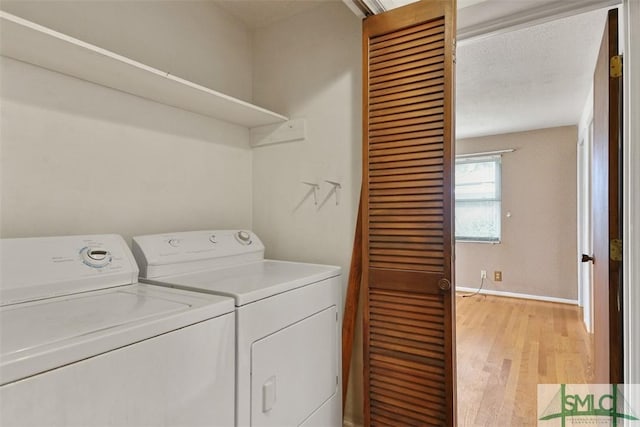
<point x="97" y="254"/>
<point x="95" y="257"/>
<point x="174" y="242"/>
<point x="243" y="237"/>
<point x="212" y="238"/>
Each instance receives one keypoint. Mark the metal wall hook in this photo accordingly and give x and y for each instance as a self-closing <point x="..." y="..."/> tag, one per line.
<point x="314" y="188"/>
<point x="336" y="187"/>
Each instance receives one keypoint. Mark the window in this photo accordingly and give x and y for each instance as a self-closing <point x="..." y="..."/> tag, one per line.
<point x="478" y="197"/>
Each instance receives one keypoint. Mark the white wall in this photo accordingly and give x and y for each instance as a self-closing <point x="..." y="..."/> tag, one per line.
<point x="309" y="66"/>
<point x="317" y="78"/>
<point x="80" y="158"/>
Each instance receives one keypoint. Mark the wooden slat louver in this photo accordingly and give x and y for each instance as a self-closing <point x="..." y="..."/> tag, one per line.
<point x="407" y="209"/>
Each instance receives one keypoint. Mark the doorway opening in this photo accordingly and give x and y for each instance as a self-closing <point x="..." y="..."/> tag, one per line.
<point x="524" y="304"/>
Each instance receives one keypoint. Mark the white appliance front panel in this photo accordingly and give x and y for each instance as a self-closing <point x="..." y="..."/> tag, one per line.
<point x="252" y="282"/>
<point x="43" y="267"/>
<point x="182" y="378"/>
<point x="45" y="334"/>
<point x="294" y="371"/>
<point x="160" y="255"/>
<point x="268" y="316"/>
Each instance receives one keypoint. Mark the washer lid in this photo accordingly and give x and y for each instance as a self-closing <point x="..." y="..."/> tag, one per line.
<point x="252" y="282"/>
<point x="45" y="334"/>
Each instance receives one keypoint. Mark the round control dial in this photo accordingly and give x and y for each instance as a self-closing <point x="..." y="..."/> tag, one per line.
<point x="244" y="237"/>
<point x="96" y="257"/>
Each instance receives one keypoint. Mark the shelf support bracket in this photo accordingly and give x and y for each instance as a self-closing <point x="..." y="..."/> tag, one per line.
<point x="289" y="131"/>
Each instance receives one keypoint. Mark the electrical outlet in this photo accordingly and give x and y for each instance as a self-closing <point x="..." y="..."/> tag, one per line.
<point x="497" y="276"/>
<point x="483" y="274"/>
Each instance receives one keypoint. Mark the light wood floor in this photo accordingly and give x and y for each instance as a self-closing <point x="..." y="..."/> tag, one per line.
<point x="505" y="347"/>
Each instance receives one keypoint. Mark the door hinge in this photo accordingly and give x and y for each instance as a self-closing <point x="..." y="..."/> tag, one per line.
<point x="615" y="66"/>
<point x="615" y="249"/>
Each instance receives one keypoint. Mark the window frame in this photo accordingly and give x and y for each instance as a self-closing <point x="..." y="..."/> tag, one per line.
<point x="482" y="158"/>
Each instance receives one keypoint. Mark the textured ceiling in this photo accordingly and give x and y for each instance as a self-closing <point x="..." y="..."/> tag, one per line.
<point x="527" y="79"/>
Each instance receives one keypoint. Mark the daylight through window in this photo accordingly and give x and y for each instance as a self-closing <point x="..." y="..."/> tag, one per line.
<point x="478" y="199"/>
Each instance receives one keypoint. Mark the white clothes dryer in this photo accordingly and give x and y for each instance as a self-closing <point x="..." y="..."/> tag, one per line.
<point x="83" y="344"/>
<point x="287" y="319"/>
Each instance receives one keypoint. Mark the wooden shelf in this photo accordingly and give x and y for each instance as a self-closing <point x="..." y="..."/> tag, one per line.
<point x="32" y="43"/>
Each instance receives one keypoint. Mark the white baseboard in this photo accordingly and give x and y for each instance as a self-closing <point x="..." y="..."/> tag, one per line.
<point x="517" y="295"/>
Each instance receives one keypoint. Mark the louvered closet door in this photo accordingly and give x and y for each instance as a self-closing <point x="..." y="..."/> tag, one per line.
<point x="407" y="216"/>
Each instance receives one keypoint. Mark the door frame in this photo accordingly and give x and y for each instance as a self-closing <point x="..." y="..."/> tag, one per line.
<point x="630" y="18"/>
<point x="585" y="227"/>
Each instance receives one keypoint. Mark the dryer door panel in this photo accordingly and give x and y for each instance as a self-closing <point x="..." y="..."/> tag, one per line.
<point x="294" y="371"/>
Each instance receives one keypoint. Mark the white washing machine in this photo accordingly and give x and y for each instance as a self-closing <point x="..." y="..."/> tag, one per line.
<point x="83" y="344"/>
<point x="287" y="319"/>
